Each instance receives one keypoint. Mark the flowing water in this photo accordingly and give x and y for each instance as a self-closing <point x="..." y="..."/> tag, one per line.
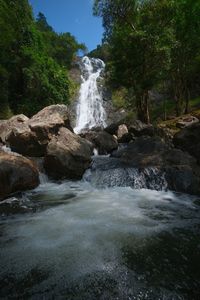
<point x="71" y="240"/>
<point x="92" y="240"/>
<point x="90" y="111"/>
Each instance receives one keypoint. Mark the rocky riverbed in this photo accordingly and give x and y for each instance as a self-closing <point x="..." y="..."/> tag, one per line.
<point x="75" y="225"/>
<point x="137" y="155"/>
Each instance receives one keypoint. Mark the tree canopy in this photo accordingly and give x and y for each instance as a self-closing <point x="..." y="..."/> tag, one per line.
<point x="151" y="42"/>
<point x="34" y="60"/>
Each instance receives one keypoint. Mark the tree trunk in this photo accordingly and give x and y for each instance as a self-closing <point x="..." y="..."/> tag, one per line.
<point x="187" y="99"/>
<point x="143" y="107"/>
<point x="180" y="94"/>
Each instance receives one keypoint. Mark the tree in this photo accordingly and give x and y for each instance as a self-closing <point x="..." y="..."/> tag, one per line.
<point x="33" y="60"/>
<point x="138" y="38"/>
<point x="185" y="50"/>
<point x="42" y="23"/>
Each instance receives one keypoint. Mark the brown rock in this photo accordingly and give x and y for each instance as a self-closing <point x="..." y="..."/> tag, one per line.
<point x="6" y="126"/>
<point x="31" y="137"/>
<point x="17" y="173"/>
<point x="68" y="155"/>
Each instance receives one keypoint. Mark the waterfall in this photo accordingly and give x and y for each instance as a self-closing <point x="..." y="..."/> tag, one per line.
<point x="90" y="111"/>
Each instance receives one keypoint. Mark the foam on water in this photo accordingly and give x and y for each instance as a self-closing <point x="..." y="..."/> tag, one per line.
<point x="64" y="248"/>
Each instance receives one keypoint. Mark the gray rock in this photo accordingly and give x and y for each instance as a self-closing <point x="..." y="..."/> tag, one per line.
<point x="139" y="129"/>
<point x="148" y="163"/>
<point x="188" y="139"/>
<point x="103" y="141"/>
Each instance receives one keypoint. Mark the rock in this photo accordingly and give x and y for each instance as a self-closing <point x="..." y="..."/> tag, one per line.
<point x="187" y="121"/>
<point x="6" y="126"/>
<point x="122" y="129"/>
<point x="112" y="128"/>
<point x="145" y="151"/>
<point x="123" y="136"/>
<point x="17" y="173"/>
<point x="50" y="119"/>
<point x="104" y="142"/>
<point x="32" y="136"/>
<point x="24" y="141"/>
<point x="68" y="155"/>
<point x="188" y="139"/>
<point x="139" y="129"/>
<point x="148" y="163"/>
<point x="182" y="172"/>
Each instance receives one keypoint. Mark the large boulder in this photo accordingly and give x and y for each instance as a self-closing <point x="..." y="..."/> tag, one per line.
<point x="49" y="120"/>
<point x="104" y="142"/>
<point x="148" y="163"/>
<point x="188" y="139"/>
<point x="6" y="126"/>
<point x="32" y="136"/>
<point x="68" y="155"/>
<point x="17" y="173"/>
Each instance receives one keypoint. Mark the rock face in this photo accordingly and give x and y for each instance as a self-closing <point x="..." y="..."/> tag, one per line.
<point x="103" y="141"/>
<point x="68" y="156"/>
<point x="32" y="136"/>
<point x="148" y="163"/>
<point x="188" y="139"/>
<point x="17" y="173"/>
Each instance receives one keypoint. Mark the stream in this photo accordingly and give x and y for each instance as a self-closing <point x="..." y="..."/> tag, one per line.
<point x="71" y="240"/>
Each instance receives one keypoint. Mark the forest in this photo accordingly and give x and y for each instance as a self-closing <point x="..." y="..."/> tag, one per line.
<point x="149" y="47"/>
<point x="34" y="60"/>
<point x="152" y="45"/>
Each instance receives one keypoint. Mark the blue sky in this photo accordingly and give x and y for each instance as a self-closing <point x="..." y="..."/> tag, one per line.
<point x="74" y="16"/>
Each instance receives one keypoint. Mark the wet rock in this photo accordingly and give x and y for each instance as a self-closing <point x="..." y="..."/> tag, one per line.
<point x="104" y="142"/>
<point x="17" y="173"/>
<point x="68" y="155"/>
<point x="145" y="151"/>
<point x="12" y="206"/>
<point x="148" y="163"/>
<point x="32" y="136"/>
<point x="188" y="139"/>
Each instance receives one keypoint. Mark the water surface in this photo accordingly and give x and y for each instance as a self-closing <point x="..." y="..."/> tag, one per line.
<point x="74" y="241"/>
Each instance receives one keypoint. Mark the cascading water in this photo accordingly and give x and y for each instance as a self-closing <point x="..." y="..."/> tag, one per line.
<point x="90" y="111"/>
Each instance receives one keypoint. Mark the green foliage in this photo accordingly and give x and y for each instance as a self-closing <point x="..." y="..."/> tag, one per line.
<point x="152" y="42"/>
<point x="33" y="60"/>
<point x="102" y="52"/>
<point x="119" y="97"/>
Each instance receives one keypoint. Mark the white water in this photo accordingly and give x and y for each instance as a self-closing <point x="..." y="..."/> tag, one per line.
<point x="90" y="111"/>
<point x="86" y="243"/>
